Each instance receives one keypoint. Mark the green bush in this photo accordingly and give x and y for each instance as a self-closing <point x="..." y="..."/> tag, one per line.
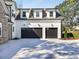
<point x="75" y="35"/>
<point x="65" y="33"/>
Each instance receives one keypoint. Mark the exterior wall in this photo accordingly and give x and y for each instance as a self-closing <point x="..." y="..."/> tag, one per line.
<point x="13" y="19"/>
<point x="9" y="31"/>
<point x="13" y="32"/>
<point x="36" y="24"/>
<point x="6" y="25"/>
<point x="4" y="21"/>
<point x="12" y="10"/>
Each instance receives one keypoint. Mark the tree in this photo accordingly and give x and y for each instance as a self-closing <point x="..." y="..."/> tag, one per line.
<point x="68" y="9"/>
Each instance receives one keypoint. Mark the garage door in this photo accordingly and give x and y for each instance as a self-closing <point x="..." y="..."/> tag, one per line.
<point x="31" y="33"/>
<point x="51" y="32"/>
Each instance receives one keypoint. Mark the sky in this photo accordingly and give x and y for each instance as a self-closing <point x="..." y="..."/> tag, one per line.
<point x="38" y="3"/>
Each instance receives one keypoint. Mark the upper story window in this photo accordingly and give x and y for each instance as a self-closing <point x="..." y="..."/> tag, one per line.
<point x="37" y="14"/>
<point x="24" y="14"/>
<point x="51" y="13"/>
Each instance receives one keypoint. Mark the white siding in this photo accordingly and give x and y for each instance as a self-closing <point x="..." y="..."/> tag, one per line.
<point x="25" y="24"/>
<point x="13" y="18"/>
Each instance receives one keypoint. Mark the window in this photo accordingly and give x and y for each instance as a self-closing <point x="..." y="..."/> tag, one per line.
<point x="37" y="14"/>
<point x="24" y="14"/>
<point x="13" y="29"/>
<point x="51" y="13"/>
<point x="0" y="29"/>
<point x="13" y="15"/>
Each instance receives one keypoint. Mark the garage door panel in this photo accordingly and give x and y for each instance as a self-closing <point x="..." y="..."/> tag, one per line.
<point x="31" y="33"/>
<point x="51" y="32"/>
<point x="38" y="32"/>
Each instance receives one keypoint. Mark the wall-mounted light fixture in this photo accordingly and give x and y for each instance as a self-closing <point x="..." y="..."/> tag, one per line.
<point x="24" y="24"/>
<point x="52" y="25"/>
<point x="39" y="25"/>
<point x="29" y="24"/>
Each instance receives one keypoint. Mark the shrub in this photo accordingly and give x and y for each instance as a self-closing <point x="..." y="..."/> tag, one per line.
<point x="65" y="33"/>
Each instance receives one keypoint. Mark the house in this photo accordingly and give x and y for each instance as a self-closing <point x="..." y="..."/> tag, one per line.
<point x="43" y="23"/>
<point x="5" y="21"/>
<point x="11" y="5"/>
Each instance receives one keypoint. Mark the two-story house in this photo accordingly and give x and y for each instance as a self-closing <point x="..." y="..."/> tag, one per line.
<point x="5" y="21"/>
<point x="43" y="23"/>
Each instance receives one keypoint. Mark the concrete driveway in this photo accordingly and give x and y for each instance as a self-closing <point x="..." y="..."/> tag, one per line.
<point x="37" y="48"/>
<point x="9" y="49"/>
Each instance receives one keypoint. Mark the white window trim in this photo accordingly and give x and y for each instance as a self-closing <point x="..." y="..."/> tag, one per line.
<point x="40" y="14"/>
<point x="48" y="13"/>
<point x="1" y="29"/>
<point x="27" y="11"/>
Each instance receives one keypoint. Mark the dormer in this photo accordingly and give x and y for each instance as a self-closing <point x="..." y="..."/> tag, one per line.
<point x="51" y="13"/>
<point x="38" y="13"/>
<point x="25" y="13"/>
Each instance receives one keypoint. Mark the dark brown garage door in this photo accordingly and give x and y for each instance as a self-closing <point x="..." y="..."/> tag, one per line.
<point x="51" y="32"/>
<point x="31" y="33"/>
